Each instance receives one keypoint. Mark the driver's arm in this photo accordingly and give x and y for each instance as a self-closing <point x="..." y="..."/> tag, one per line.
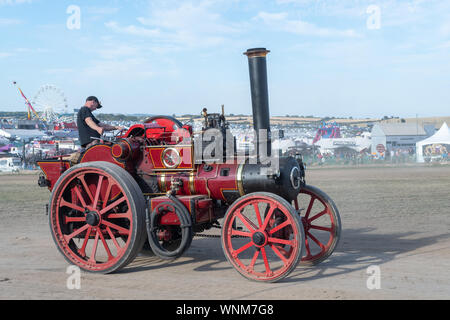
<point x="107" y="127"/>
<point x="94" y="126"/>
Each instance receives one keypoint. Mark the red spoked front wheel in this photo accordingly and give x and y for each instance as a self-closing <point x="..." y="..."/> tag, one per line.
<point x="97" y="216"/>
<point x="321" y="222"/>
<point x="262" y="237"/>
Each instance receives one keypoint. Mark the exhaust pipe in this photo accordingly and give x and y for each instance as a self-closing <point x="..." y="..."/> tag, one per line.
<point x="260" y="97"/>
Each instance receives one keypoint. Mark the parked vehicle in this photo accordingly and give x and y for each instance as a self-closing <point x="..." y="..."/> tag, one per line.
<point x="10" y="164"/>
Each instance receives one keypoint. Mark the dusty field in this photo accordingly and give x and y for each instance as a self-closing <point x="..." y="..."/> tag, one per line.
<point x="395" y="218"/>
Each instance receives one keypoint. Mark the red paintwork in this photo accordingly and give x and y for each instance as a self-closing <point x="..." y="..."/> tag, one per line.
<point x="209" y="183"/>
<point x="99" y="152"/>
<point x="213" y="184"/>
<point x="53" y="170"/>
<point x="155" y="155"/>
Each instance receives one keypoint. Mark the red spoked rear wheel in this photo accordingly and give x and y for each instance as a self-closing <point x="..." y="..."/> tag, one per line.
<point x="262" y="237"/>
<point x="97" y="217"/>
<point x="321" y="222"/>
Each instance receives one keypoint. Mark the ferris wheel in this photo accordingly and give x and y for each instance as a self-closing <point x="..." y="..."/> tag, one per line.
<point x="51" y="101"/>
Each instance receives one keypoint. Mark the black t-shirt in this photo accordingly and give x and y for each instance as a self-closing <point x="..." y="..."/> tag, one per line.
<point x="85" y="132"/>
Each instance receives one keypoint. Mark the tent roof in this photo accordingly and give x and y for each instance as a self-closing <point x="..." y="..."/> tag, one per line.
<point x="441" y="136"/>
<point x="402" y="129"/>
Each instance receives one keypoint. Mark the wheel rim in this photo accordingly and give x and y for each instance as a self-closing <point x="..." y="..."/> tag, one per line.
<point x="92" y="220"/>
<point x="321" y="225"/>
<point x="262" y="238"/>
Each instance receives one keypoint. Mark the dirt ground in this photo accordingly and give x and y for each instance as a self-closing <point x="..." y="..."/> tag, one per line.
<point x="396" y="218"/>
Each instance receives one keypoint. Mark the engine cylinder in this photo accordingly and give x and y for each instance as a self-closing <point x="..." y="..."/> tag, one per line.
<point x="126" y="149"/>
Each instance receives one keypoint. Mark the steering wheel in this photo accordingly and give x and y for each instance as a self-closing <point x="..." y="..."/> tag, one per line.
<point x="119" y="133"/>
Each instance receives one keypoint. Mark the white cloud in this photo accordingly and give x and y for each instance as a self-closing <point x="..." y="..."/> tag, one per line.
<point x="445" y="29"/>
<point x="13" y="2"/>
<point x="135" y="68"/>
<point x="102" y="10"/>
<point x="194" y="19"/>
<point x="5" y="55"/>
<point x="185" y="25"/>
<point x="132" y="30"/>
<point x="114" y="50"/>
<point x="31" y="50"/>
<point x="280" y="21"/>
<point x="59" y="71"/>
<point x="116" y="59"/>
<point x="7" y="22"/>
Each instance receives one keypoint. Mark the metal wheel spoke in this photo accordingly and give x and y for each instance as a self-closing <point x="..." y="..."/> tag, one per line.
<point x="113" y="238"/>
<point x="64" y="203"/>
<point x="308" y="249"/>
<point x="75" y="233"/>
<point x="112" y="205"/>
<point x="108" y="252"/>
<point x="279" y="254"/>
<point x="258" y="215"/>
<point x="240" y="233"/>
<point x="94" y="247"/>
<point x="248" y="224"/>
<point x="267" y="218"/>
<point x="243" y="248"/>
<point x="97" y="193"/>
<point x="252" y="263"/>
<point x="282" y="241"/>
<point x="320" y="244"/>
<point x="266" y="261"/>
<point x="279" y="227"/>
<point x="321" y="228"/>
<point x="82" y="250"/>
<point x="116" y="227"/>
<point x="86" y="188"/>
<point x="308" y="211"/>
<point x="126" y="215"/>
<point x="318" y="215"/>
<point x="80" y="197"/>
<point x="107" y="194"/>
<point x="74" y="219"/>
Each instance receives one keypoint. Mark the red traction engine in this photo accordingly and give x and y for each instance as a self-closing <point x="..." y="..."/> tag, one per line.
<point x="146" y="190"/>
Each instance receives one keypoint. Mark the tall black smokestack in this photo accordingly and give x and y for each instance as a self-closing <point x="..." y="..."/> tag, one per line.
<point x="260" y="94"/>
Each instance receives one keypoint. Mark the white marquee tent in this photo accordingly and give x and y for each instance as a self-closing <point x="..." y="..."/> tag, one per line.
<point x="434" y="145"/>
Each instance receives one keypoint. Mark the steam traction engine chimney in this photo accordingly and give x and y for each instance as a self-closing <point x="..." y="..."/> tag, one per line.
<point x="260" y="95"/>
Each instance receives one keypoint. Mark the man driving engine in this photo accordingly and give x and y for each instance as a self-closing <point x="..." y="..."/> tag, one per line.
<point x="89" y="127"/>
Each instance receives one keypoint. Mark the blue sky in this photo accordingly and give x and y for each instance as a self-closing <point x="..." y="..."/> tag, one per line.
<point x="328" y="58"/>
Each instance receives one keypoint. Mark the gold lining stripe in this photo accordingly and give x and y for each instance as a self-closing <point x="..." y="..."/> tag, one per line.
<point x="156" y="171"/>
<point x="239" y="179"/>
<point x="163" y="183"/>
<point x="191" y="183"/>
<point x="169" y="146"/>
